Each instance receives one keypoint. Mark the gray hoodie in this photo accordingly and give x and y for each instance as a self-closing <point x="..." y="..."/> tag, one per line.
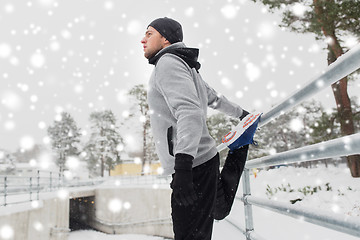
<point x="178" y="99"/>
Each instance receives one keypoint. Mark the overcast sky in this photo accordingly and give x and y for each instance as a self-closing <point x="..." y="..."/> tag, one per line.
<point x="80" y="56"/>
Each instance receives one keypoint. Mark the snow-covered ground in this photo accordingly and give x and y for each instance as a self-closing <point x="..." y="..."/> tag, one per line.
<point x="331" y="189"/>
<point x="93" y="235"/>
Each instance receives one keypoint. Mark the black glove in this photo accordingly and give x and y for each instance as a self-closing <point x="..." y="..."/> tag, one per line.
<point x="182" y="183"/>
<point x="243" y="114"/>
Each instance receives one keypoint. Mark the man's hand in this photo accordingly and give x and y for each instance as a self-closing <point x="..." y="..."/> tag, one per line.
<point x="182" y="184"/>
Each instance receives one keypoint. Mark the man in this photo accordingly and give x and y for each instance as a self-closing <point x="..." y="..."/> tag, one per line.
<point x="178" y="99"/>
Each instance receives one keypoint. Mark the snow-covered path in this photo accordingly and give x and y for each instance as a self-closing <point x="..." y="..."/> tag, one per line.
<point x="222" y="230"/>
<point x="93" y="235"/>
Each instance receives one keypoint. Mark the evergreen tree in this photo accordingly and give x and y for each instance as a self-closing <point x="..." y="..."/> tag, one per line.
<point x="329" y="20"/>
<point x="104" y="145"/>
<point x="65" y="137"/>
<point x="325" y="128"/>
<point x="289" y="131"/>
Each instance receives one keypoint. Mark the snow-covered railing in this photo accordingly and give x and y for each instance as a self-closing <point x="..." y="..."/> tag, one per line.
<point x="16" y="189"/>
<point x="343" y="146"/>
<point x="28" y="188"/>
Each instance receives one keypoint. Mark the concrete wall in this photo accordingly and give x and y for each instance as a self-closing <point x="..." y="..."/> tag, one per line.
<point x="141" y="210"/>
<point x="117" y="210"/>
<point x="49" y="220"/>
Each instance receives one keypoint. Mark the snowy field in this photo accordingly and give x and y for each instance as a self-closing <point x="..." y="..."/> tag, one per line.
<point x="331" y="189"/>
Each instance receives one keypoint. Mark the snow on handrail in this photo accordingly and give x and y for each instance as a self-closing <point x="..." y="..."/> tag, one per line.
<point x="344" y="146"/>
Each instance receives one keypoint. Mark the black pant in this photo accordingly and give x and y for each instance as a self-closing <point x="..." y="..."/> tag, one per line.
<point x="215" y="191"/>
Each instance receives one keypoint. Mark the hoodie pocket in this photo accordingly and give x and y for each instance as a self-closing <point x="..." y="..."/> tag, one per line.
<point x="170" y="141"/>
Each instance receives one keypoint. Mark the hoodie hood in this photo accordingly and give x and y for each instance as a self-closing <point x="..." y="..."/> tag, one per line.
<point x="189" y="55"/>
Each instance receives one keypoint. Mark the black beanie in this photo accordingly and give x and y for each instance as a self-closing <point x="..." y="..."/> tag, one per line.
<point x="168" y="28"/>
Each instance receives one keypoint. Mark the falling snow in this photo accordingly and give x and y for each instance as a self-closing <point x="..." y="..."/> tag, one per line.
<point x="6" y="232"/>
<point x="90" y="59"/>
<point x="296" y="125"/>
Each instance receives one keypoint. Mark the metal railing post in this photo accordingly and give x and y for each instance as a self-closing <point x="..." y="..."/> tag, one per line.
<point x="5" y="189"/>
<point x="30" y="189"/>
<point x="38" y="185"/>
<point x="247" y="206"/>
<point x="59" y="179"/>
<point x="50" y="181"/>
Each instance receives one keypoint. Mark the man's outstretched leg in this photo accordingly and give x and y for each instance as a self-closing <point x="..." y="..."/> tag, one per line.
<point x="228" y="181"/>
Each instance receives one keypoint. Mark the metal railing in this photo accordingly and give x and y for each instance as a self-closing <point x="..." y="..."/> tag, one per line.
<point x="145" y="180"/>
<point x="20" y="189"/>
<point x="343" y="146"/>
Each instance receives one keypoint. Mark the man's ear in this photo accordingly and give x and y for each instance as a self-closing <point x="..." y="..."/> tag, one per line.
<point x="166" y="42"/>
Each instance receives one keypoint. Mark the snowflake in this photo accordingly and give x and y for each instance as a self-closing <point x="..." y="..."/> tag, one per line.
<point x="9" y="125"/>
<point x="137" y="160"/>
<point x="252" y="72"/>
<point x="189" y="12"/>
<point x="72" y="163"/>
<point x="229" y="11"/>
<point x="109" y="5"/>
<point x="9" y="8"/>
<point x="296" y="125"/>
<point x="5" y="50"/>
<point x="266" y="30"/>
<point x="6" y="232"/>
<point x="47" y="3"/>
<point x="127" y="205"/>
<point x="134" y="27"/>
<point x="63" y="194"/>
<point x="37" y="60"/>
<point x="38" y="226"/>
<point x="239" y="94"/>
<point x="298" y="9"/>
<point x="115" y="205"/>
<point x="226" y="82"/>
<point x="27" y="142"/>
<point x="11" y="100"/>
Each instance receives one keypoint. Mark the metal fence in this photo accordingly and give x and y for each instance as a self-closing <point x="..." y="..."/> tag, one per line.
<point x="343" y="146"/>
<point x="20" y="189"/>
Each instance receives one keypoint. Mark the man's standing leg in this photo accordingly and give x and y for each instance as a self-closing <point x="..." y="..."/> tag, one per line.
<point x="195" y="222"/>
